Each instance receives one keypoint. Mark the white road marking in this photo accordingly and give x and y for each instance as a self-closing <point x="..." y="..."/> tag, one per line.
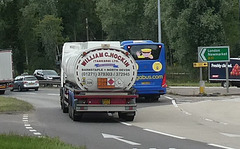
<point x="220" y="146"/>
<point x="28" y="126"/>
<point x="187" y="113"/>
<point x="30" y="93"/>
<point x="119" y="138"/>
<point x="231" y="135"/>
<point x="174" y="103"/>
<point x="168" y="97"/>
<point x="208" y="120"/>
<point x="223" y="123"/>
<point x="53" y="94"/>
<point x="126" y="124"/>
<point x="165" y="134"/>
<point x="37" y="133"/>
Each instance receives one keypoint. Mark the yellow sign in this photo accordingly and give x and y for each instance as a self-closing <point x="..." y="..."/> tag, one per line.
<point x="157" y="66"/>
<point x="202" y="64"/>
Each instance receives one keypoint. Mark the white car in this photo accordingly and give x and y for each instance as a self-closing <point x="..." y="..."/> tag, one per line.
<point x="25" y="82"/>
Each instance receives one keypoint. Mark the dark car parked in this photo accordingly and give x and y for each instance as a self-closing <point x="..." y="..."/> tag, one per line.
<point x="25" y="82"/>
<point x="46" y="75"/>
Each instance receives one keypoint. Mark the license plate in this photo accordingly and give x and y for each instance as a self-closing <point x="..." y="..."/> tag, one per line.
<point x="145" y="82"/>
<point x="106" y="101"/>
<point x="31" y="83"/>
<point x="3" y="86"/>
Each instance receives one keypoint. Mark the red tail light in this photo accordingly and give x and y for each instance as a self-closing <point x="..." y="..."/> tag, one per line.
<point x="25" y="82"/>
<point x="164" y="81"/>
<point x="10" y="85"/>
<point x="37" y="82"/>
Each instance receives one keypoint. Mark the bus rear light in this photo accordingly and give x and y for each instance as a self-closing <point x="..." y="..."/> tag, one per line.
<point x="164" y="81"/>
<point x="128" y="47"/>
<point x="160" y="46"/>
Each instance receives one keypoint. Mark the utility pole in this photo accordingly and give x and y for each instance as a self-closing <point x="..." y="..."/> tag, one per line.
<point x="159" y="23"/>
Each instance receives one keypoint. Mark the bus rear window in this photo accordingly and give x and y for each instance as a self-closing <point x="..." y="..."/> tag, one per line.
<point x="145" y="52"/>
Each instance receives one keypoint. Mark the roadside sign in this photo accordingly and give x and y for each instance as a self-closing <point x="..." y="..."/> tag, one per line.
<point x="214" y="54"/>
<point x="200" y="64"/>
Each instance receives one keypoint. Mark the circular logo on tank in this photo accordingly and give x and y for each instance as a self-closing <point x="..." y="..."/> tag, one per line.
<point x="157" y="66"/>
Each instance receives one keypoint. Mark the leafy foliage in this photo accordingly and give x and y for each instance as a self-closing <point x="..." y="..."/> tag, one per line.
<point x="35" y="30"/>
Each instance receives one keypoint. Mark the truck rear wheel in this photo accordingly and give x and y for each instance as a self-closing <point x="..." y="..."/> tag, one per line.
<point x="73" y="115"/>
<point x="2" y="92"/>
<point x="126" y="116"/>
<point x="64" y="107"/>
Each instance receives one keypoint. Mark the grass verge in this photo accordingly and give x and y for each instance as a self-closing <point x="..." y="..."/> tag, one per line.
<point x="12" y="105"/>
<point x="27" y="142"/>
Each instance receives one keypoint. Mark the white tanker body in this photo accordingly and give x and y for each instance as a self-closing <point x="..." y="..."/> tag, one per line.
<point x="97" y="77"/>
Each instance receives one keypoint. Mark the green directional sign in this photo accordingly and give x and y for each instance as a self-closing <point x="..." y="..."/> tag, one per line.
<point x="214" y="54"/>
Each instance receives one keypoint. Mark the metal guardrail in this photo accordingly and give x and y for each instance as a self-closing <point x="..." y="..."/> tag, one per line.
<point x="49" y="83"/>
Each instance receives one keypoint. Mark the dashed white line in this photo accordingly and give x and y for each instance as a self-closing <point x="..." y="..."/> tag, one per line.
<point x="220" y="146"/>
<point x="37" y="133"/>
<point x="231" y="135"/>
<point x="53" y="94"/>
<point x="223" y="123"/>
<point x="174" y="103"/>
<point x="187" y="113"/>
<point x="162" y="133"/>
<point x="168" y="97"/>
<point x="28" y="126"/>
<point x="208" y="120"/>
<point x="31" y="93"/>
<point x="126" y="124"/>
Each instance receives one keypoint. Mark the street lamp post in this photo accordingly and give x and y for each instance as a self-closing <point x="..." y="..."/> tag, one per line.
<point x="159" y="23"/>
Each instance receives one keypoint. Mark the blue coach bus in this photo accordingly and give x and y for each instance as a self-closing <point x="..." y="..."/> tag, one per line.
<point x="151" y="64"/>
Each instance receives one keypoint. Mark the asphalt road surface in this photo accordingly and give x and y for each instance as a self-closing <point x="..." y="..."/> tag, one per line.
<point x="174" y="122"/>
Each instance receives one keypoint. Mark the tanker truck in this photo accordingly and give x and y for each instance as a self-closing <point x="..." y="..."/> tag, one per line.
<point x="97" y="76"/>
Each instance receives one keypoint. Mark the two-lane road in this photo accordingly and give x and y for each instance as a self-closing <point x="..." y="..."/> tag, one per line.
<point x="158" y="125"/>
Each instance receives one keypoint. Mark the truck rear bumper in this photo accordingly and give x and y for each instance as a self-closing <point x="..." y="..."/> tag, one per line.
<point x="105" y="108"/>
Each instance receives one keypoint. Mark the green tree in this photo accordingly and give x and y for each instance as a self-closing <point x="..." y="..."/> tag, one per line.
<point x="49" y="30"/>
<point x="74" y="14"/>
<point x="121" y="20"/>
<point x="34" y="13"/>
